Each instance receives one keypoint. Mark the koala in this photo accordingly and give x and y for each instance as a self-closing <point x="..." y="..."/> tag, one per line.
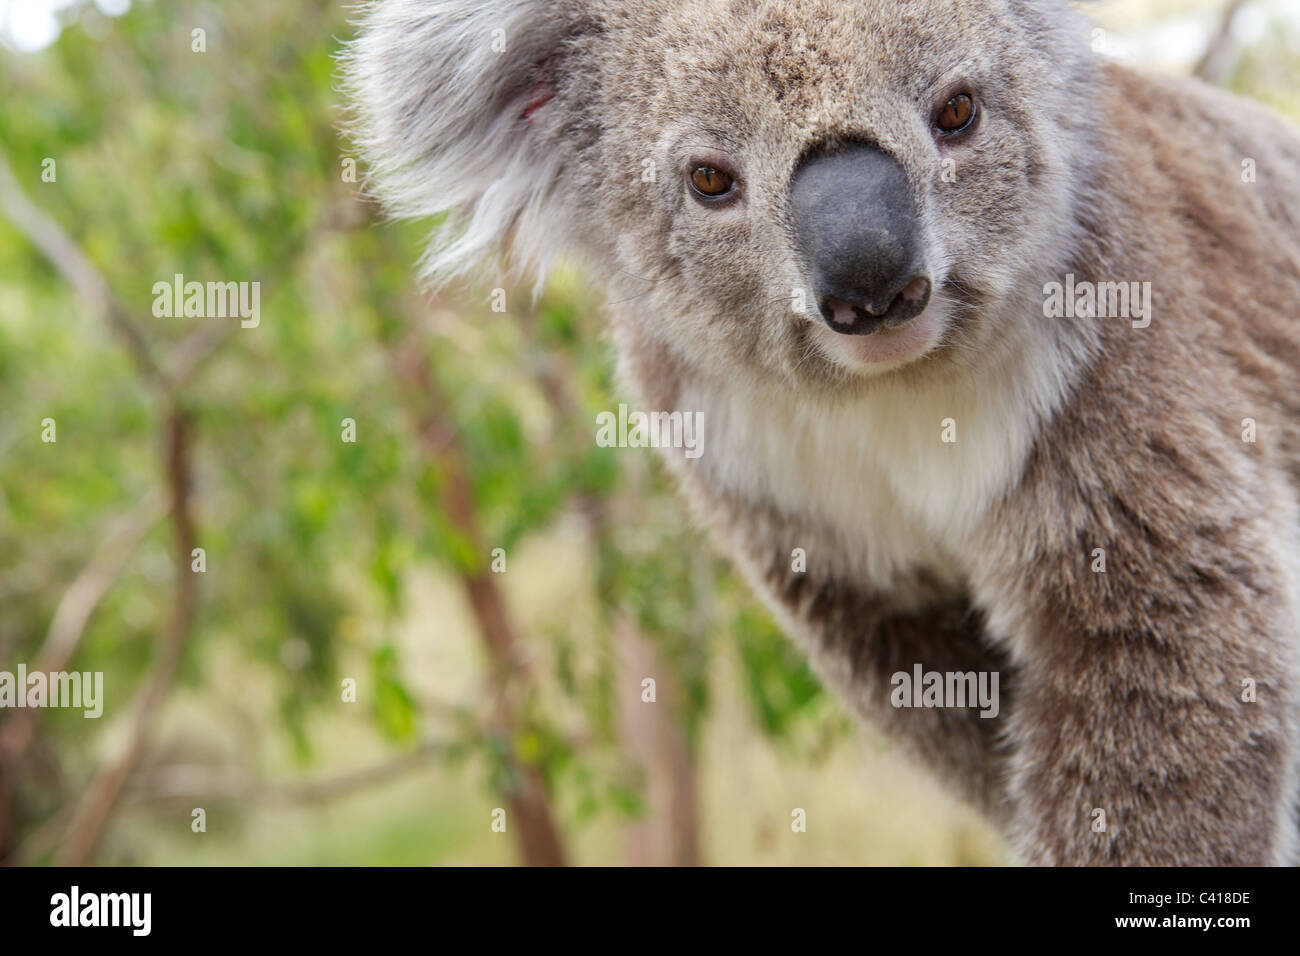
<point x="1005" y="337"/>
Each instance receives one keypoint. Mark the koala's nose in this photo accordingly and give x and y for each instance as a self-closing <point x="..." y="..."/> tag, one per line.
<point x="856" y="226"/>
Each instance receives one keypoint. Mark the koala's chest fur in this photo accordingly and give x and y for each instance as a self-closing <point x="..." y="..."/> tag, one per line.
<point x="879" y="488"/>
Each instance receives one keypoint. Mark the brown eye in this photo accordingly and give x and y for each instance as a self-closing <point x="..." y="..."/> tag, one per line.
<point x="957" y="114"/>
<point x="711" y="182"/>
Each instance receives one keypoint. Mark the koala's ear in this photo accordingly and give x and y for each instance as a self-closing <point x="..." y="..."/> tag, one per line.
<point x="452" y="98"/>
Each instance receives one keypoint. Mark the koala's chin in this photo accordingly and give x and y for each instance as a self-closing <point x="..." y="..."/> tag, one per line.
<point x="884" y="350"/>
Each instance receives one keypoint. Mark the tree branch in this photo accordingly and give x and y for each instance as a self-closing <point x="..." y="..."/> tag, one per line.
<point x="101" y="797"/>
<point x="1221" y="50"/>
<point x="528" y="799"/>
<point x="75" y="608"/>
<point x="62" y="252"/>
<point x="197" y="782"/>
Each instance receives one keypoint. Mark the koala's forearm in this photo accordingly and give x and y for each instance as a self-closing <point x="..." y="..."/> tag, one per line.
<point x="859" y="637"/>
<point x="1172" y="771"/>
<point x="1154" y="721"/>
<point x="864" y="643"/>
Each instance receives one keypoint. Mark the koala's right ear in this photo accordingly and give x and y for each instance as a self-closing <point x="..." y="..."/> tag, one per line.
<point x="452" y="101"/>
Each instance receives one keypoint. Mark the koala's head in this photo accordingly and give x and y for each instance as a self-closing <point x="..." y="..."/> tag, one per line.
<point x="816" y="190"/>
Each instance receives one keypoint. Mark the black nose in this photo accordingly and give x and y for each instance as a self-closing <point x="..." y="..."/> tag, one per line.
<point x="856" y="225"/>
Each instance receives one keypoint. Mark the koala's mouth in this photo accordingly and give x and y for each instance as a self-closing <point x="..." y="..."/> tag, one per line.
<point x="863" y="340"/>
<point x="866" y="318"/>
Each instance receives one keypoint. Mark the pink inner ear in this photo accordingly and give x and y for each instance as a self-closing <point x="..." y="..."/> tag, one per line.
<point x="541" y="95"/>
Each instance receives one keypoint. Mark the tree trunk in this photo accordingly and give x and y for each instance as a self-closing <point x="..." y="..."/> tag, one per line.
<point x="530" y="816"/>
<point x="656" y="742"/>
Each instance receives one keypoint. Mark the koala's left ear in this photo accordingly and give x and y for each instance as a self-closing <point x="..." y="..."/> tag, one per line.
<point x="451" y="101"/>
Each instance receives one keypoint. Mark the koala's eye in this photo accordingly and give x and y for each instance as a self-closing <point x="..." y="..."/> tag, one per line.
<point x="711" y="182"/>
<point x="956" y="115"/>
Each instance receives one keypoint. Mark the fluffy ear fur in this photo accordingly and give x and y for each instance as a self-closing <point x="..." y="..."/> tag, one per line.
<point x="452" y="105"/>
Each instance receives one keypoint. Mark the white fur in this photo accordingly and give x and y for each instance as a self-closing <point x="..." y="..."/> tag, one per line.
<point x="875" y="472"/>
